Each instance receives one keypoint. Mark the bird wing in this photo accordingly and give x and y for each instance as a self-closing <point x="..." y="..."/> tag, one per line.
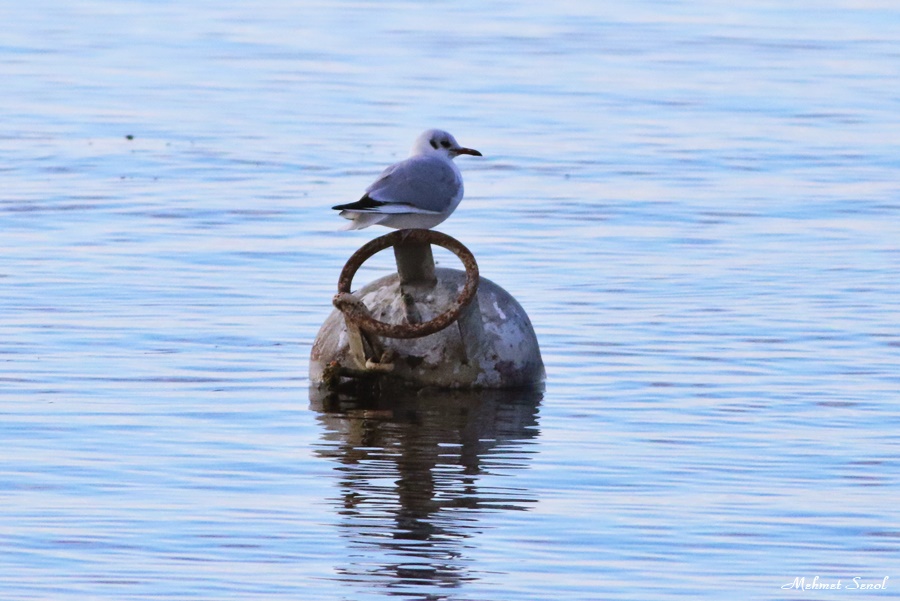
<point x="423" y="183"/>
<point x="367" y="204"/>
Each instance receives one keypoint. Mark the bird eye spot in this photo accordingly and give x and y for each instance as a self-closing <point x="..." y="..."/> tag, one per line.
<point x="445" y="144"/>
<point x="433" y="143"/>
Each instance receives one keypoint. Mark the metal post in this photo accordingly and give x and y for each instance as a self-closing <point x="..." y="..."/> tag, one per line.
<point x="415" y="263"/>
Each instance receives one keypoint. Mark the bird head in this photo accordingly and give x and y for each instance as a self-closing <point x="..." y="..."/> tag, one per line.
<point x="437" y="141"/>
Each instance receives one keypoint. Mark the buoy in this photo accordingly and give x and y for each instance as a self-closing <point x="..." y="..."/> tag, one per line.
<point x="424" y="326"/>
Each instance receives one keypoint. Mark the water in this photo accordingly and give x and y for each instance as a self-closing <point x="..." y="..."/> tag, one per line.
<point x="696" y="204"/>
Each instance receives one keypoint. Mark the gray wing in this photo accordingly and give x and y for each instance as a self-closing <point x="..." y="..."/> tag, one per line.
<point x="426" y="183"/>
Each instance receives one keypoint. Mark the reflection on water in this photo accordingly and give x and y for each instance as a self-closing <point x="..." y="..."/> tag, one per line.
<point x="411" y="475"/>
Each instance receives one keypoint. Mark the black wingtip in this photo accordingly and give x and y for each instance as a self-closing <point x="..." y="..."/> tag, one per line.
<point x="363" y="204"/>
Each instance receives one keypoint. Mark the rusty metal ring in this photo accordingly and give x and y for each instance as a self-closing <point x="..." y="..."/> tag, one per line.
<point x="368" y="323"/>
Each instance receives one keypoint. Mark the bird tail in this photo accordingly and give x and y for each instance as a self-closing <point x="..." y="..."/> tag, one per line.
<point x="359" y="221"/>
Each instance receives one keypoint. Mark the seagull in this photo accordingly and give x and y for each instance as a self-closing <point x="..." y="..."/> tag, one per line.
<point x="419" y="192"/>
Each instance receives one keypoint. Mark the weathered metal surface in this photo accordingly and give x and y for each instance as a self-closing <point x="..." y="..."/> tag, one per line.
<point x="407" y="330"/>
<point x="394" y="331"/>
<point x="506" y="354"/>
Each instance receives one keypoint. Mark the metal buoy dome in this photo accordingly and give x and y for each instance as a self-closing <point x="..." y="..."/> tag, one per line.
<point x="425" y="326"/>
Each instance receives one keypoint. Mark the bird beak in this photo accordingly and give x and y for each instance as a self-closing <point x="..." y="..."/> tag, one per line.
<point x="471" y="151"/>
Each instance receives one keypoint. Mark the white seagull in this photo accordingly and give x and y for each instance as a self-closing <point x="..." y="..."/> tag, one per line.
<point x="419" y="192"/>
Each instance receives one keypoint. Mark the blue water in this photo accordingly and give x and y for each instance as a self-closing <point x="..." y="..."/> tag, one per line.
<point x="697" y="204"/>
